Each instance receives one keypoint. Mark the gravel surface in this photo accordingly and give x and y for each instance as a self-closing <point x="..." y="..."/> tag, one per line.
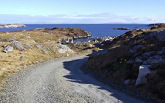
<point x="60" y="81"/>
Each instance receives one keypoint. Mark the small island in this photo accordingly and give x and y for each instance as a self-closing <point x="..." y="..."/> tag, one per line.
<point x="122" y="28"/>
<point x="12" y="25"/>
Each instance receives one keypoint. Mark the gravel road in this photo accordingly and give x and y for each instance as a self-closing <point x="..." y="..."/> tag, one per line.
<point x="60" y="81"/>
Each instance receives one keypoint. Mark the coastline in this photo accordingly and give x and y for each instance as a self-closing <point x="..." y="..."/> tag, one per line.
<point x="12" y="26"/>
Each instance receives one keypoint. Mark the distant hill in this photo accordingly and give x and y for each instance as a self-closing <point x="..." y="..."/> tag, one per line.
<point x="12" y="25"/>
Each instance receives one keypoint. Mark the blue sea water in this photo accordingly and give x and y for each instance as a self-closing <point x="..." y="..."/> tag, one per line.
<point x="97" y="30"/>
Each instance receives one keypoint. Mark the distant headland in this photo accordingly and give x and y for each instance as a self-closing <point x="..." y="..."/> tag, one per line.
<point x="12" y="25"/>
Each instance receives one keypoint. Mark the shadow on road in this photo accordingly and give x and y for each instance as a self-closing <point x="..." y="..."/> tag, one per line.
<point x="78" y="76"/>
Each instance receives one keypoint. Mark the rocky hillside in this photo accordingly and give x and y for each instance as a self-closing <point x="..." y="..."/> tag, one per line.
<point x="19" y="49"/>
<point x="135" y="59"/>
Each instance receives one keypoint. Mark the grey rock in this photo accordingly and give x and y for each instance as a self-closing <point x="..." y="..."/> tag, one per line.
<point x="39" y="46"/>
<point x="45" y="51"/>
<point x="17" y="45"/>
<point x="28" y="45"/>
<point x="22" y="58"/>
<point x="143" y="71"/>
<point x="67" y="40"/>
<point x="7" y="48"/>
<point x="63" y="48"/>
<point x="33" y="41"/>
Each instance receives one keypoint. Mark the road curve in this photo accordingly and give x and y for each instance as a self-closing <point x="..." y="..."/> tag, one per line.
<point x="60" y="81"/>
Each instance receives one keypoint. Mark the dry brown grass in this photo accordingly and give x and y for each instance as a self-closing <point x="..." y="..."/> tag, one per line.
<point x="11" y="63"/>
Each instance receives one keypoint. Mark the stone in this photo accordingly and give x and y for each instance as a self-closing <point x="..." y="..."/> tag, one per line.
<point x="28" y="45"/>
<point x="33" y="41"/>
<point x="67" y="40"/>
<point x="67" y="54"/>
<point x="45" y="52"/>
<point x="22" y="58"/>
<point x="17" y="45"/>
<point x="7" y="48"/>
<point x="143" y="71"/>
<point x="39" y="46"/>
<point x="91" y="45"/>
<point x="63" y="48"/>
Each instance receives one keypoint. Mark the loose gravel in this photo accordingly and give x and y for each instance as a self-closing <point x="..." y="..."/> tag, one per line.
<point x="60" y="81"/>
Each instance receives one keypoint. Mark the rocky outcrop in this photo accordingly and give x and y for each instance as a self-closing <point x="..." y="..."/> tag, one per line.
<point x="137" y="59"/>
<point x="66" y="40"/>
<point x="143" y="71"/>
<point x="63" y="48"/>
<point x="17" y="45"/>
<point x="7" y="48"/>
<point x="12" y="25"/>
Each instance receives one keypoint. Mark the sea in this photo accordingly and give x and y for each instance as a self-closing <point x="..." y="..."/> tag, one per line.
<point x="97" y="30"/>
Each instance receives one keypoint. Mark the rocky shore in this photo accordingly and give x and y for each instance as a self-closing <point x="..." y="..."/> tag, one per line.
<point x="136" y="60"/>
<point x="12" y="25"/>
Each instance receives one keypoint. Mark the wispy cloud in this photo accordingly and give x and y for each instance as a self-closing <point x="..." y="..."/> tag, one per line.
<point x="76" y="19"/>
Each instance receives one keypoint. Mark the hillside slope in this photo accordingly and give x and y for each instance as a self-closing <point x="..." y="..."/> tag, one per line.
<point x="135" y="59"/>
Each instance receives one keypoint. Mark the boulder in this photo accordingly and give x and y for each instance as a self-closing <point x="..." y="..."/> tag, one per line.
<point x="143" y="71"/>
<point x="22" y="57"/>
<point x="17" y="45"/>
<point x="7" y="48"/>
<point x="28" y="45"/>
<point x="63" y="48"/>
<point x="67" y="40"/>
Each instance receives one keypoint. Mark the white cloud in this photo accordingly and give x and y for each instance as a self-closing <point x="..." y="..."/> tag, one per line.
<point x="77" y="19"/>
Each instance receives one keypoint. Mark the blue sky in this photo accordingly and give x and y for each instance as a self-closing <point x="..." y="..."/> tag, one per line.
<point x="82" y="11"/>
